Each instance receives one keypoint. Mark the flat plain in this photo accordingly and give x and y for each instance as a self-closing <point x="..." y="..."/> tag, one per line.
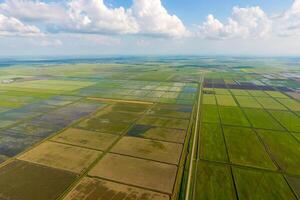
<point x="123" y="128"/>
<point x="248" y="145"/>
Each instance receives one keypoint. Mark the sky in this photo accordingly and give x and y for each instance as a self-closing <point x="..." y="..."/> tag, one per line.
<point x="149" y="27"/>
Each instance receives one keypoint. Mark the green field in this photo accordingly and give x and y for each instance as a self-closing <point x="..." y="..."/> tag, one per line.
<point x="289" y="120"/>
<point x="270" y="103"/>
<point x="284" y="149"/>
<point x="260" y="118"/>
<point x="210" y="114"/>
<point x="261" y="185"/>
<point x="233" y="116"/>
<point x="248" y="146"/>
<point x="245" y="148"/>
<point x="212" y="146"/>
<point x="214" y="182"/>
<point x="225" y="100"/>
<point x="248" y="102"/>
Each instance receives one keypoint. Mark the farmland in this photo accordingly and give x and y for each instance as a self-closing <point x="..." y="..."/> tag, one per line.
<point x="127" y="128"/>
<point x="248" y="143"/>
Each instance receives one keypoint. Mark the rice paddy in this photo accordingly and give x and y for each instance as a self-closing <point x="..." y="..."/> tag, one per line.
<point x="248" y="142"/>
<point x="126" y="130"/>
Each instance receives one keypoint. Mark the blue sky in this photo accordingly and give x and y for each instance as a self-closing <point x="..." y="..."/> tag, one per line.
<point x="92" y="27"/>
<point x="192" y="11"/>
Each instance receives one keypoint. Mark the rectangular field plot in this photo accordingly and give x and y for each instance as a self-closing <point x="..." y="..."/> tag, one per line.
<point x="284" y="149"/>
<point x="92" y="188"/>
<point x="233" y="116"/>
<point x="270" y="103"/>
<point x="260" y="118"/>
<point x="149" y="149"/>
<point x="51" y="85"/>
<point x="68" y="114"/>
<point x="104" y="126"/>
<point x="209" y="99"/>
<point x="248" y="102"/>
<point x="289" y="120"/>
<point x="24" y="181"/>
<point x="32" y="128"/>
<point x="276" y="94"/>
<point x="116" y="116"/>
<point x="173" y="107"/>
<point x="169" y="113"/>
<point x="157" y="133"/>
<point x="135" y="108"/>
<point x="84" y="138"/>
<point x="244" y="148"/>
<point x="225" y="100"/>
<point x="164" y="122"/>
<point x="256" y="184"/>
<point x="210" y="114"/>
<point x="258" y="93"/>
<point x="186" y="102"/>
<point x="16" y="115"/>
<point x="71" y="158"/>
<point x="138" y="172"/>
<point x="214" y="182"/>
<point x="212" y="146"/>
<point x="220" y="91"/>
<point x="291" y="104"/>
<point x="114" y="119"/>
<point x="11" y="145"/>
<point x="237" y="92"/>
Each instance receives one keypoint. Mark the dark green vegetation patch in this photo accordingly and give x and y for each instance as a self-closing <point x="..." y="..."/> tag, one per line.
<point x="23" y="181"/>
<point x="214" y="182"/>
<point x="284" y="149"/>
<point x="255" y="184"/>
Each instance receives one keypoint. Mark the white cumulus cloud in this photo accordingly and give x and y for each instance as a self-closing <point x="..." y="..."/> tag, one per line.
<point x="10" y="26"/>
<point x="148" y="17"/>
<point x="28" y="10"/>
<point x="288" y="23"/>
<point x="250" y="22"/>
<point x="153" y="18"/>
<point x="94" y="16"/>
<point x="143" y="17"/>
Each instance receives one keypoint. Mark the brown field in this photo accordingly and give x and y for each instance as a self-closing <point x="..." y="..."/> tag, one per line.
<point x="149" y="149"/>
<point x="104" y="126"/>
<point x="138" y="172"/>
<point x="21" y="180"/>
<point x="166" y="134"/>
<point x="61" y="156"/>
<point x="84" y="138"/>
<point x="112" y="115"/>
<point x="92" y="188"/>
<point x="164" y="122"/>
